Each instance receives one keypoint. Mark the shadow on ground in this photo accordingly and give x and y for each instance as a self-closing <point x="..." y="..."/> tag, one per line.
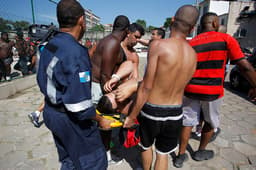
<point x="130" y="155"/>
<point x="241" y="93"/>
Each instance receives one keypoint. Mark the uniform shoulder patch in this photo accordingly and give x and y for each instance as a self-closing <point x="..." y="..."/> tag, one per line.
<point x="84" y="76"/>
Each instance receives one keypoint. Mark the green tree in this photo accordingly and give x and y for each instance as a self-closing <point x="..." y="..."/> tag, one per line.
<point x="23" y="25"/>
<point x="7" y="25"/>
<point x="3" y="25"/>
<point x="167" y="23"/>
<point x="142" y="23"/>
<point x="98" y="28"/>
<point x="150" y="28"/>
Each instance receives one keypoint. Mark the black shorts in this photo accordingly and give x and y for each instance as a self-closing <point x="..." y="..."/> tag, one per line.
<point x="160" y="124"/>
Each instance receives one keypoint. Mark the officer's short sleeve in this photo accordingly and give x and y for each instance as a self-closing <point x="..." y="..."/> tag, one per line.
<point x="77" y="92"/>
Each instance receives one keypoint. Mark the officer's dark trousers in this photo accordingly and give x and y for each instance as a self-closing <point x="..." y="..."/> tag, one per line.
<point x="78" y="144"/>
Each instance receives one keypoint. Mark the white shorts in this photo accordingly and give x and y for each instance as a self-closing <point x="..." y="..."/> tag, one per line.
<point x="96" y="93"/>
<point x="210" y="109"/>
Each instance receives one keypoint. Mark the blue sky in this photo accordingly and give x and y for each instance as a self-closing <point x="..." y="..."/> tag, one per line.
<point x="154" y="12"/>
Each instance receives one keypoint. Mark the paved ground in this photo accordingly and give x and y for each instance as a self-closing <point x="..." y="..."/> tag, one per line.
<point x="24" y="147"/>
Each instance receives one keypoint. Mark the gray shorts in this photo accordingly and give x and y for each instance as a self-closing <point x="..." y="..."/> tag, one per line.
<point x="96" y="93"/>
<point x="192" y="109"/>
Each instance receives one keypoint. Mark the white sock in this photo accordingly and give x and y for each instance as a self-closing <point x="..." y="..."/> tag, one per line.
<point x="109" y="155"/>
<point x="37" y="113"/>
<point x="215" y="130"/>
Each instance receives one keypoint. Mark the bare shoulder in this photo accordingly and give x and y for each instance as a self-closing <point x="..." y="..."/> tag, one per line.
<point x="109" y="42"/>
<point x="158" y="45"/>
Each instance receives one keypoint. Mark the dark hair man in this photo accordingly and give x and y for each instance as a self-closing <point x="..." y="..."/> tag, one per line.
<point x="64" y="77"/>
<point x="159" y="97"/>
<point x="205" y="90"/>
<point x="135" y="32"/>
<point x="156" y="34"/>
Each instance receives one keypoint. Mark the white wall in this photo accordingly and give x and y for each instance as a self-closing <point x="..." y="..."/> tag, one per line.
<point x="219" y="7"/>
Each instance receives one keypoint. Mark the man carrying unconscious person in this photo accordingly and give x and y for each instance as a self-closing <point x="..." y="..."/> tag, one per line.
<point x="171" y="64"/>
<point x="107" y="58"/>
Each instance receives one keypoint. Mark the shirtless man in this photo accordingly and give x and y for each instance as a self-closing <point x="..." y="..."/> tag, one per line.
<point x="160" y="93"/>
<point x="135" y="32"/>
<point x="108" y="56"/>
<point x="5" y="56"/>
<point x="156" y="34"/>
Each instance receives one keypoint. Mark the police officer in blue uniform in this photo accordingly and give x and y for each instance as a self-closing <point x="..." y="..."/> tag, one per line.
<point x="64" y="77"/>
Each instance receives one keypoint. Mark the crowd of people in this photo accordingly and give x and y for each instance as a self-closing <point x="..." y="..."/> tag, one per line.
<point x="182" y="80"/>
<point x="23" y="49"/>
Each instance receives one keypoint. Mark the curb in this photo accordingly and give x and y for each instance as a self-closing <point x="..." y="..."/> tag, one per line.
<point x="12" y="87"/>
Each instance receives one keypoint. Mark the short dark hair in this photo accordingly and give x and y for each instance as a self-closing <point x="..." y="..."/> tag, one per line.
<point x="68" y="13"/>
<point x="105" y="105"/>
<point x="160" y="31"/>
<point x="121" y="23"/>
<point x="136" y="27"/>
<point x="205" y="19"/>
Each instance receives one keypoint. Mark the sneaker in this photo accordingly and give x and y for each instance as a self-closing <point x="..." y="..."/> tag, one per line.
<point x="195" y="136"/>
<point x="113" y="162"/>
<point x="198" y="130"/>
<point x="202" y="155"/>
<point x="8" y="78"/>
<point x="178" y="161"/>
<point x="215" y="134"/>
<point x="34" y="119"/>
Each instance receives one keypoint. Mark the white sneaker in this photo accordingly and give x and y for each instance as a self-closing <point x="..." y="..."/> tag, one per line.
<point x="8" y="78"/>
<point x="198" y="134"/>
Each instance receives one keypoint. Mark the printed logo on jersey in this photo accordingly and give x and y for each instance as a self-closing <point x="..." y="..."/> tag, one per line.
<point x="84" y="77"/>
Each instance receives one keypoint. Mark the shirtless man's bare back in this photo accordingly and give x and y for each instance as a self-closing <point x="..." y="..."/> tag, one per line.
<point x="109" y="55"/>
<point x="171" y="64"/>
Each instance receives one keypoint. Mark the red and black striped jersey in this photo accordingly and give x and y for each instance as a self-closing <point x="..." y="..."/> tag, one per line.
<point x="213" y="49"/>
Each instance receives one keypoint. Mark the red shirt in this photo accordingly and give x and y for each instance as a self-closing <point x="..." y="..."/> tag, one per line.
<point x="213" y="49"/>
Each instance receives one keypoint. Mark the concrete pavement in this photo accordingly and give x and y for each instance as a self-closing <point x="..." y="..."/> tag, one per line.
<point x="24" y="147"/>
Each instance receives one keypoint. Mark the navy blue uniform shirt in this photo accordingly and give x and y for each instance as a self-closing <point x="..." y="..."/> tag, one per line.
<point x="64" y="75"/>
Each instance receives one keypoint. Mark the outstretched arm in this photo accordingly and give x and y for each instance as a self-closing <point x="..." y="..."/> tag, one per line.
<point x="143" y="42"/>
<point x="248" y="71"/>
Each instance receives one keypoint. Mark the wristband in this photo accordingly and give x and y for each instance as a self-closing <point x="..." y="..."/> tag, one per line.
<point x="116" y="76"/>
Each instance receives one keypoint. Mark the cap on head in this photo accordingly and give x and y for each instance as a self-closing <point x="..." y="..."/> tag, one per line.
<point x="121" y="23"/>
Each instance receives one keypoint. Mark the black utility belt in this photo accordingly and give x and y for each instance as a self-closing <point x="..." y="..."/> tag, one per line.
<point x="57" y="107"/>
